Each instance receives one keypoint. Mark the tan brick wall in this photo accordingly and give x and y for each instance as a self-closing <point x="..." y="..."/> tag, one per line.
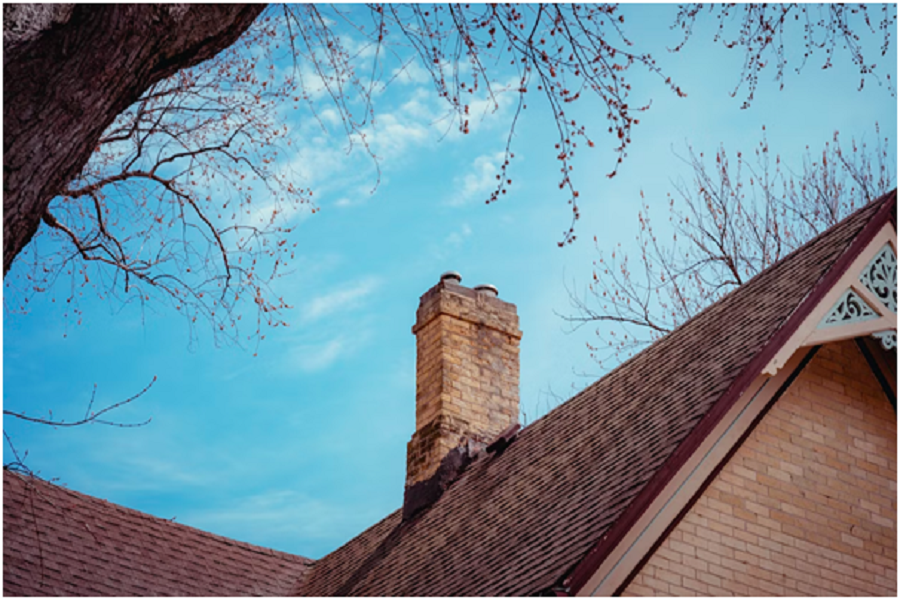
<point x="806" y="506"/>
<point x="467" y="373"/>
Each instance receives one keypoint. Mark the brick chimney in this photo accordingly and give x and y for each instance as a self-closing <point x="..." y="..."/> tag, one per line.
<point x="467" y="373"/>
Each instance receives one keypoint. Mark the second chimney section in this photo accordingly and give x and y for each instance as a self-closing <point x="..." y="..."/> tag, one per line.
<point x="467" y="372"/>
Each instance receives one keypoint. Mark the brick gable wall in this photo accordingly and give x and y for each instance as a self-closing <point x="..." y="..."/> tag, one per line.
<point x="806" y="506"/>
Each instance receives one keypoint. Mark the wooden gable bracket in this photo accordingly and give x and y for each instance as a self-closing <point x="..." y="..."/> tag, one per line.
<point x="850" y="309"/>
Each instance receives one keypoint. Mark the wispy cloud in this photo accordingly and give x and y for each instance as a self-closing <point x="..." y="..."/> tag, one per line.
<point x="359" y="194"/>
<point x="276" y="212"/>
<point x="232" y="374"/>
<point x="348" y="297"/>
<point x="311" y="358"/>
<point x="280" y="518"/>
<point x="479" y="181"/>
<point x="393" y="133"/>
<point x="451" y="243"/>
<point x="456" y="238"/>
<point x="137" y="471"/>
<point x="319" y="355"/>
<point x="411" y="72"/>
<point x="344" y="169"/>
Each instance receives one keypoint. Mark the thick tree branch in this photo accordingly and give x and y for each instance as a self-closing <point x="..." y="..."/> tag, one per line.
<point x="75" y="75"/>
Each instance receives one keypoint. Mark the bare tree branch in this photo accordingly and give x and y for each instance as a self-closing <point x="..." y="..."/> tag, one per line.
<point x="187" y="195"/>
<point x="89" y="415"/>
<point x="729" y="223"/>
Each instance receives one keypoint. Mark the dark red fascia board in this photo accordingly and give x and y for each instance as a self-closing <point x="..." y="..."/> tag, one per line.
<point x="602" y="548"/>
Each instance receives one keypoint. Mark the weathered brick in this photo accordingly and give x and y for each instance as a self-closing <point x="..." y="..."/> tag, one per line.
<point x="467" y="373"/>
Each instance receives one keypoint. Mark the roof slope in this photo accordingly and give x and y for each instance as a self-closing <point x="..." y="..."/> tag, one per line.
<point x="57" y="542"/>
<point x="518" y="522"/>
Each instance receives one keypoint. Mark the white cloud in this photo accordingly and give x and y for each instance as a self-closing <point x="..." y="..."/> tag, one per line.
<point x="343" y="299"/>
<point x="232" y="374"/>
<point x="451" y="243"/>
<point x="479" y="182"/>
<point x="341" y="337"/>
<point x="314" y="162"/>
<point x="496" y="106"/>
<point x="330" y="116"/>
<point x="359" y="195"/>
<point x="412" y="72"/>
<point x="487" y="111"/>
<point x="272" y="212"/>
<point x="280" y="514"/>
<point x="456" y="238"/>
<point x="137" y="470"/>
<point x="318" y="357"/>
<point x="393" y="134"/>
<point x="323" y="158"/>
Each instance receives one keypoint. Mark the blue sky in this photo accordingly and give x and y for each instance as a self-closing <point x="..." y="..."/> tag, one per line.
<point x="303" y="446"/>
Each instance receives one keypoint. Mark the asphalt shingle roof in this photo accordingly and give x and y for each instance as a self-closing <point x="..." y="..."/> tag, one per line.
<point x="517" y="523"/>
<point x="57" y="542"/>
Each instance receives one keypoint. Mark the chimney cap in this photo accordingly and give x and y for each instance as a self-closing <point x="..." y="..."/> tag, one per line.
<point x="488" y="289"/>
<point x="451" y="276"/>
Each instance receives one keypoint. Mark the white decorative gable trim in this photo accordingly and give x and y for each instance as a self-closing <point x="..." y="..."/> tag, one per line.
<point x="862" y="302"/>
<point x="850" y="308"/>
<point x="880" y="277"/>
<point x="888" y="339"/>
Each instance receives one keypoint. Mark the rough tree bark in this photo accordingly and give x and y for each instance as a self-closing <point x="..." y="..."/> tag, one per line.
<point x="69" y="70"/>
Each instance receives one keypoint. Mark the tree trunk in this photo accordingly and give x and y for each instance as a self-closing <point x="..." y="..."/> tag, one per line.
<point x="69" y="70"/>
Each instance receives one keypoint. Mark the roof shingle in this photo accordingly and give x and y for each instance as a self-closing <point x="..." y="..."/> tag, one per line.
<point x="57" y="542"/>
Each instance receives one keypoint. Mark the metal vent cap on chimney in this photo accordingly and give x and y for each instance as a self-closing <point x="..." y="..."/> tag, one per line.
<point x="451" y="276"/>
<point x="487" y="289"/>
